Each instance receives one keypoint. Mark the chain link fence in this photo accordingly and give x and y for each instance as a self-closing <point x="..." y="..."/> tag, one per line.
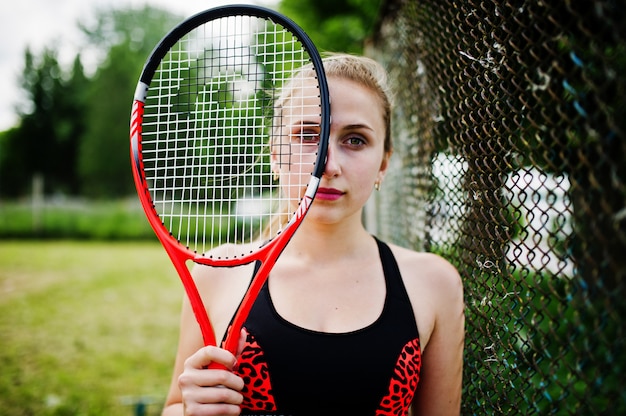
<point x="509" y="161"/>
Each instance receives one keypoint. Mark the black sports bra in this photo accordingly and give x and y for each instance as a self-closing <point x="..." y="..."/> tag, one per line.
<point x="289" y="370"/>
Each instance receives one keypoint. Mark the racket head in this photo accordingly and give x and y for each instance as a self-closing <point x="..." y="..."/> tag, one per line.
<point x="229" y="133"/>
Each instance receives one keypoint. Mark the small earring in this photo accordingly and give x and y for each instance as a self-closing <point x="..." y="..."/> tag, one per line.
<point x="377" y="185"/>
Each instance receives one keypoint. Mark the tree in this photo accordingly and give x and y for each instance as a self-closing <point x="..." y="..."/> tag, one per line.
<point x="103" y="164"/>
<point x="73" y="129"/>
<point x="334" y="25"/>
<point x="44" y="143"/>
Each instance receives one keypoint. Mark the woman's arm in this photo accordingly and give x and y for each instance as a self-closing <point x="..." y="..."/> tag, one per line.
<point x="439" y="291"/>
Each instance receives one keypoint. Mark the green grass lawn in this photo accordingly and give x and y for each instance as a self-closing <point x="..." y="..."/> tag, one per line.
<point x="84" y="326"/>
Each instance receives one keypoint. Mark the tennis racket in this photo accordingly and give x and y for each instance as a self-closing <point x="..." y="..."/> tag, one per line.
<point x="228" y="138"/>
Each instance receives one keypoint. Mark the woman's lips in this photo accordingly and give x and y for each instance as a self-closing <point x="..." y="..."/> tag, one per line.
<point x="328" y="194"/>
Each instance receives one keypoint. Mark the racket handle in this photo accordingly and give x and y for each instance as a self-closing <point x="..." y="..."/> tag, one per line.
<point x="216" y="366"/>
<point x="236" y="350"/>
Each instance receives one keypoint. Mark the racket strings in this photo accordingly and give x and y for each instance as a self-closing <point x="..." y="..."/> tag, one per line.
<point x="229" y="134"/>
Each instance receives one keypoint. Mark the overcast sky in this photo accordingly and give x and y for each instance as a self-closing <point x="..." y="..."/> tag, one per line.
<point x="40" y="23"/>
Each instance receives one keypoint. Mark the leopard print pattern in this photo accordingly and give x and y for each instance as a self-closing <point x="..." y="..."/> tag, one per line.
<point x="251" y="366"/>
<point x="403" y="383"/>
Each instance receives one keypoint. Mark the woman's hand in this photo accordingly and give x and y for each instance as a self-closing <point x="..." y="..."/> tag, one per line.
<point x="207" y="391"/>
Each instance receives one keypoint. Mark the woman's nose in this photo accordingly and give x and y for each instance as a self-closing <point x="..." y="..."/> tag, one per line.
<point x="332" y="167"/>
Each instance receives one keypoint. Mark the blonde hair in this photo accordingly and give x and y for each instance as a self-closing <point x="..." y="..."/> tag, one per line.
<point x="369" y="74"/>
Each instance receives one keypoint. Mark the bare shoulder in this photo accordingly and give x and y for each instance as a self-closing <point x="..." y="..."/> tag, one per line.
<point x="221" y="278"/>
<point x="427" y="268"/>
<point x="435" y="290"/>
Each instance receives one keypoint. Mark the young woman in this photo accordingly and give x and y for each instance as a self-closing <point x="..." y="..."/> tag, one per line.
<point x="346" y="324"/>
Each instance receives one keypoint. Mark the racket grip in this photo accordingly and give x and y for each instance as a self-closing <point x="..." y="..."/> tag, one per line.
<point x="217" y="366"/>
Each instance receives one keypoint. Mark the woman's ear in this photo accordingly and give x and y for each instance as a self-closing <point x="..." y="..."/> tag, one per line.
<point x="384" y="165"/>
<point x="275" y="164"/>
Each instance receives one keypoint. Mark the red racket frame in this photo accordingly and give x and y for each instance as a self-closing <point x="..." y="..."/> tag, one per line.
<point x="180" y="254"/>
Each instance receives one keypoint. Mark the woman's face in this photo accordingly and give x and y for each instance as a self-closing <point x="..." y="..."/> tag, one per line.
<point x="356" y="158"/>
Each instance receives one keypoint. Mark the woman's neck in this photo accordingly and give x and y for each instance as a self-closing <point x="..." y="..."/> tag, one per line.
<point x="315" y="241"/>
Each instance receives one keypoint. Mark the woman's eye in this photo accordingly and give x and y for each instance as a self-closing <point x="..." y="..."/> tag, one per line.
<point x="306" y="136"/>
<point x="355" y="141"/>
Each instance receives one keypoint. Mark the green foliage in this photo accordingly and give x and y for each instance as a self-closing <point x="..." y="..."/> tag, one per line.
<point x="45" y="141"/>
<point x="115" y="220"/>
<point x="98" y="220"/>
<point x="84" y="326"/>
<point x="335" y="25"/>
<point x="129" y="36"/>
<point x="73" y="129"/>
